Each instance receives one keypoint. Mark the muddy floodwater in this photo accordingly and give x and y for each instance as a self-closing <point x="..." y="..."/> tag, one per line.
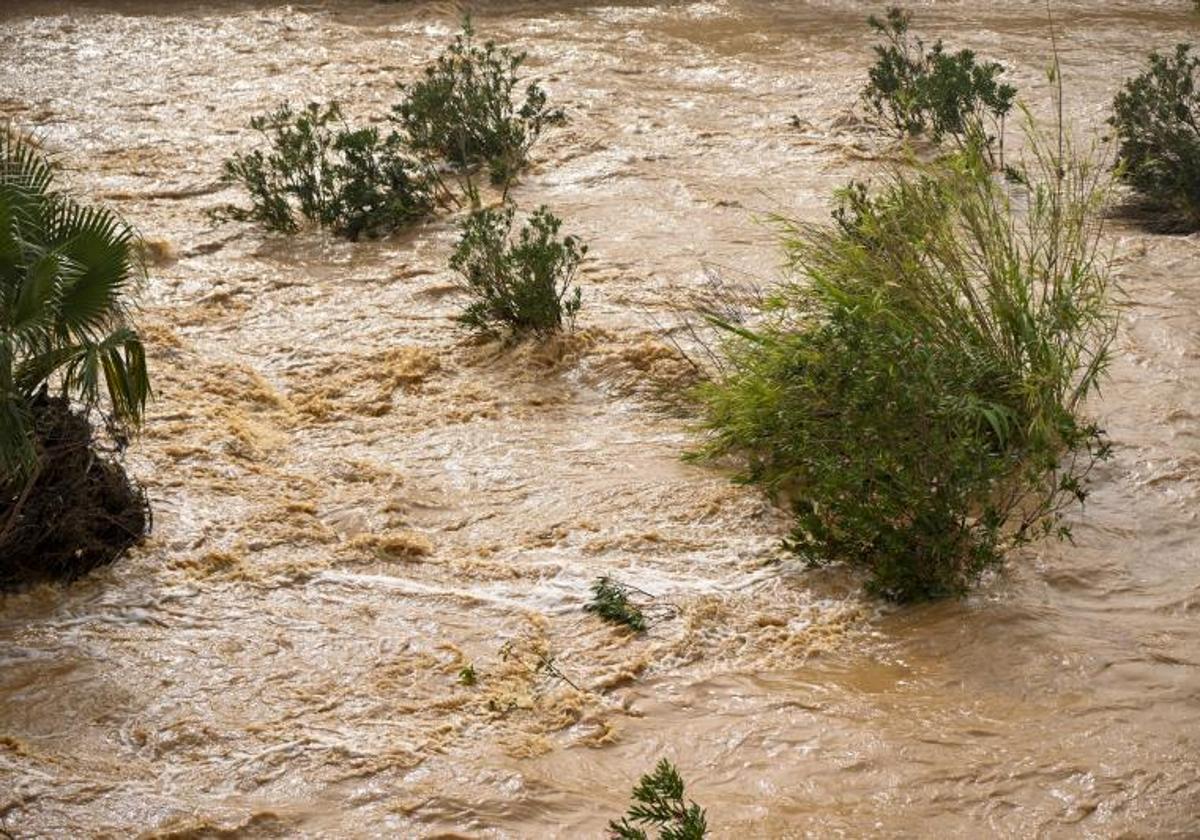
<point x="353" y="500"/>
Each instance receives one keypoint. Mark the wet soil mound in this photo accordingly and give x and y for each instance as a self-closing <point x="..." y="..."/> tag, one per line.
<point x="82" y="510"/>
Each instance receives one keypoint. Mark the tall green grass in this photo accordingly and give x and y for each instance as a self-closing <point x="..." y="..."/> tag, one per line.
<point x="915" y="388"/>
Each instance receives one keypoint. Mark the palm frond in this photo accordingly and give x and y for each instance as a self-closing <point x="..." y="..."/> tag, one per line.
<point x="22" y="165"/>
<point x="34" y="299"/>
<point x="101" y="247"/>
<point x="125" y="375"/>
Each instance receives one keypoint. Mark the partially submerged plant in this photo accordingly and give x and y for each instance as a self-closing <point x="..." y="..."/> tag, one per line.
<point x="548" y="665"/>
<point x="916" y="389"/>
<point x="538" y="661"/>
<point x="466" y="112"/>
<point x="524" y="287"/>
<point x="659" y="803"/>
<point x="67" y="346"/>
<point x="358" y="182"/>
<point x="1156" y="116"/>
<point x="313" y="166"/>
<point x="610" y="601"/>
<point x="66" y="273"/>
<point x="917" y="91"/>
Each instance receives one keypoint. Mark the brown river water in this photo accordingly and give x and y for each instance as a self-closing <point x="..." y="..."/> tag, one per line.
<point x="353" y="500"/>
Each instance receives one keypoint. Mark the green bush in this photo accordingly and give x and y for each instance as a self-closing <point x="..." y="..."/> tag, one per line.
<point x="1157" y="121"/>
<point x="465" y="109"/>
<point x="914" y="91"/>
<point x="524" y="287"/>
<point x="354" y="181"/>
<point x="915" y="391"/>
<point x="658" y="801"/>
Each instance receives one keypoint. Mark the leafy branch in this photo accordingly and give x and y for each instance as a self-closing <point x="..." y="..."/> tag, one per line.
<point x="659" y="802"/>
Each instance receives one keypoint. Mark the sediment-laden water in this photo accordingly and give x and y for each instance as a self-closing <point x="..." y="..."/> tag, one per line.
<point x="353" y="500"/>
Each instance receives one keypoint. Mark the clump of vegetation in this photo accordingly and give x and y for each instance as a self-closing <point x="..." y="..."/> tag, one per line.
<point x="527" y="286"/>
<point x="362" y="182"/>
<point x="610" y="601"/>
<point x="67" y="346"/>
<point x="1157" y="121"/>
<point x="916" y="390"/>
<point x="465" y="110"/>
<point x="467" y="675"/>
<point x="659" y="803"/>
<point x="356" y="182"/>
<point x="917" y="91"/>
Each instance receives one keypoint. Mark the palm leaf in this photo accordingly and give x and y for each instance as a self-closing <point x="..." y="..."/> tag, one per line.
<point x="35" y="302"/>
<point x="100" y="246"/>
<point x="17" y="453"/>
<point x="21" y="164"/>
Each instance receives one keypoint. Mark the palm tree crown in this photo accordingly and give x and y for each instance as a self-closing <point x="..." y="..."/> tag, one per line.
<point x="65" y="273"/>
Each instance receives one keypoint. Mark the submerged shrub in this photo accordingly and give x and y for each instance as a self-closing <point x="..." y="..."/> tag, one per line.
<point x="1157" y="120"/>
<point x="524" y="287"/>
<point x="610" y="601"/>
<point x="66" y="339"/>
<point x="915" y="391"/>
<point x="354" y="181"/>
<point x="658" y="802"/>
<point x="917" y="91"/>
<point x="465" y="109"/>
